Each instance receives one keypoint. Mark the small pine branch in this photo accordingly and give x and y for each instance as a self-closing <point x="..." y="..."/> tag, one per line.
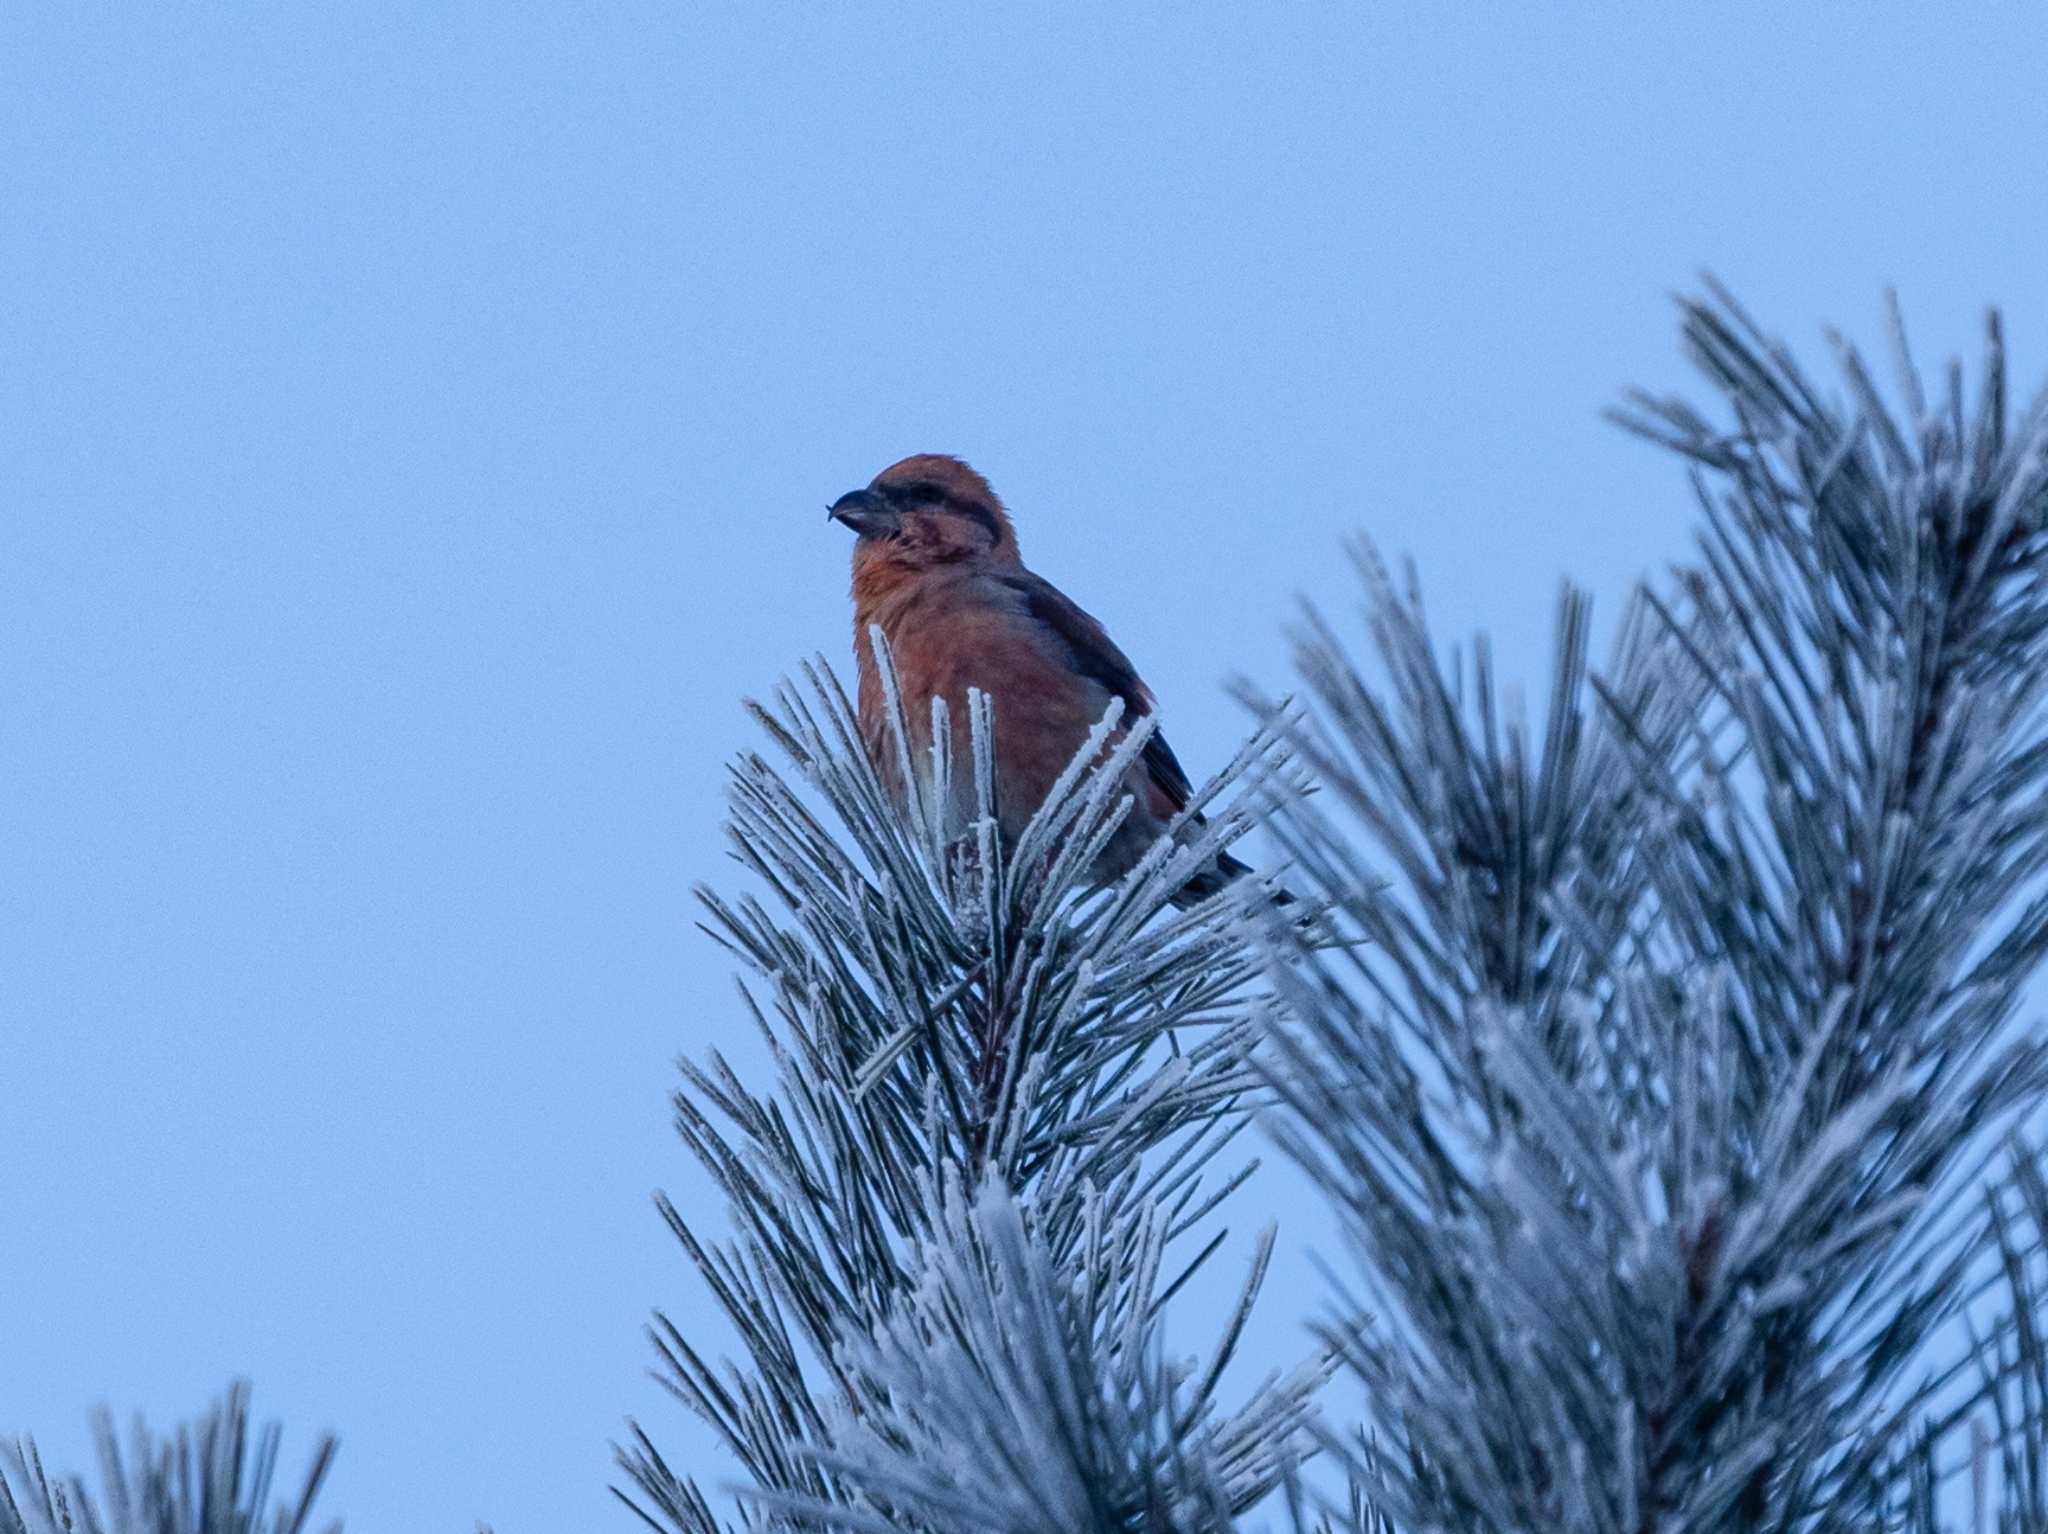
<point x="993" y="1408"/>
<point x="946" y="1012"/>
<point x="2010" y="1355"/>
<point x="209" y="1477"/>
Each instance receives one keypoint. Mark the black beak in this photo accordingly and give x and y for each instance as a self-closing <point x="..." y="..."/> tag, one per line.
<point x="866" y="513"/>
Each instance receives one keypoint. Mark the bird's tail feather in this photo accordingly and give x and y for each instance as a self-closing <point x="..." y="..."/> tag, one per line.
<point x="1208" y="881"/>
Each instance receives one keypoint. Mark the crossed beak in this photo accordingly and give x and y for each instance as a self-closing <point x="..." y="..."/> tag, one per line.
<point x="866" y="513"/>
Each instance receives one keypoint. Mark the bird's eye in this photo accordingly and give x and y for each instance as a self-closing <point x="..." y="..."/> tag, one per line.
<point x="929" y="496"/>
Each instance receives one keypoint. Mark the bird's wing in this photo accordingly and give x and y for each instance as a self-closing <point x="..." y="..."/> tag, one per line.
<point x="1093" y="654"/>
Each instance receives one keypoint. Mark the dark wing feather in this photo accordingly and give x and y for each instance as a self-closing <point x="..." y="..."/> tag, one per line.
<point x="1167" y="772"/>
<point x="1095" y="655"/>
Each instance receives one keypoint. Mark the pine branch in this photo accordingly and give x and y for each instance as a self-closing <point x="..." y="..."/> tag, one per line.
<point x="947" y="1012"/>
<point x="995" y="1412"/>
<point x="2011" y="1354"/>
<point x="207" y="1478"/>
<point x="1676" y="1030"/>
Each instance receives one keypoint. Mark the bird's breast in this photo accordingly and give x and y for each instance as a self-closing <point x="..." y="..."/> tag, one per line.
<point x="950" y="640"/>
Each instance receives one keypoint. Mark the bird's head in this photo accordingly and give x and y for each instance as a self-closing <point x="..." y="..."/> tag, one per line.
<point x="925" y="512"/>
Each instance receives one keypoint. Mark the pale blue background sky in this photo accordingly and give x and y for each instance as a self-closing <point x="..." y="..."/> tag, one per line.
<point x="414" y="424"/>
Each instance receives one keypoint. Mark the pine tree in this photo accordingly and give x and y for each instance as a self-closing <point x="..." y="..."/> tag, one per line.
<point x="1658" y="1096"/>
<point x="1660" y="1060"/>
<point x="958" y="1217"/>
<point x="1667" y="1062"/>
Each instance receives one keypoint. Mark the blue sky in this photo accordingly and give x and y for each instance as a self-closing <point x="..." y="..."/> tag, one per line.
<point x="414" y="429"/>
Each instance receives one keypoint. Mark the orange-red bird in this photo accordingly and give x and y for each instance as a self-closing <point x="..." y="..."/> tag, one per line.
<point x="936" y="566"/>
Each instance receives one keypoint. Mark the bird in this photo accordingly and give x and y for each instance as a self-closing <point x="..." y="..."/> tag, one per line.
<point x="936" y="567"/>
